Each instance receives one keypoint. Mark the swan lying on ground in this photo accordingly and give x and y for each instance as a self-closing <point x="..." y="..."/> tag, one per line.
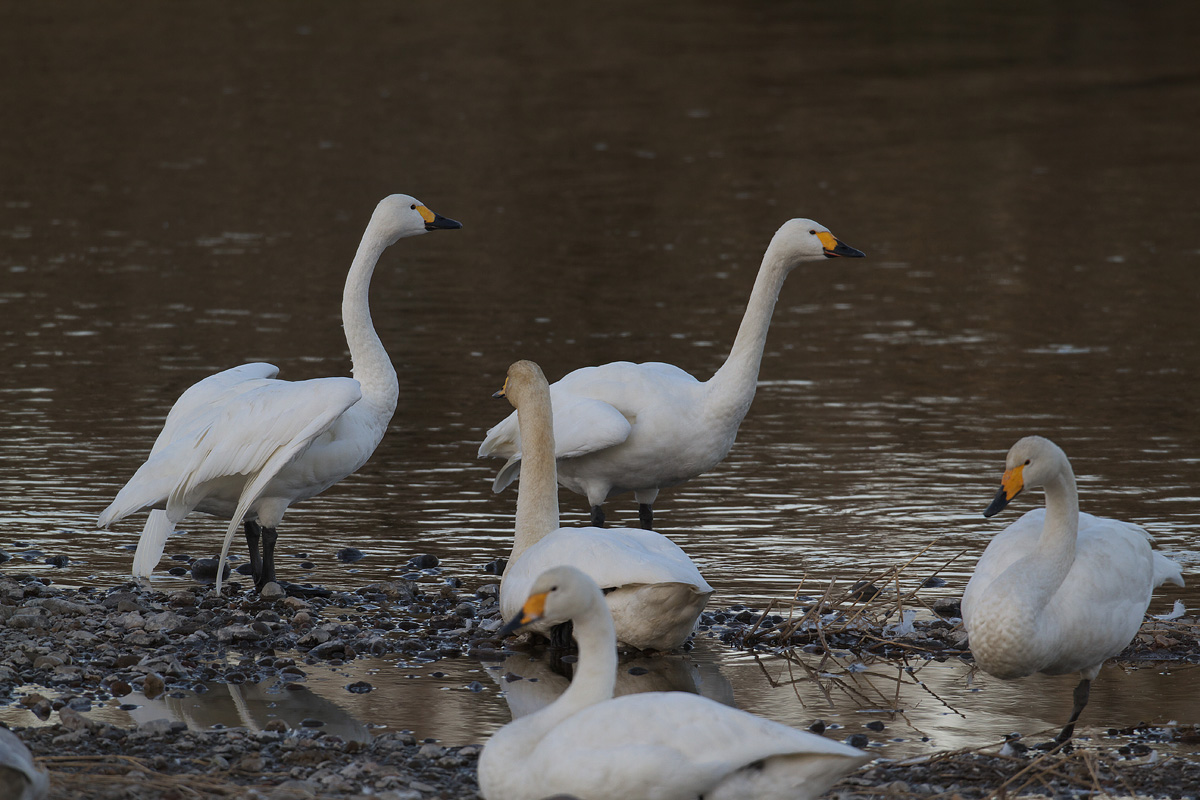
<point x="625" y="427"/>
<point x="653" y="590"/>
<point x="244" y="446"/>
<point x="660" y="745"/>
<point x="1058" y="591"/>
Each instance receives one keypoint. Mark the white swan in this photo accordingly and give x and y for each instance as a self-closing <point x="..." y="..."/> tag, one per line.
<point x="660" y="745"/>
<point x="243" y="446"/>
<point x="642" y="427"/>
<point x="1058" y="591"/>
<point x="654" y="591"/>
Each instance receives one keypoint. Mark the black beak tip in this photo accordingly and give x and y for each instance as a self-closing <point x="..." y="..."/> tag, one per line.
<point x="513" y="626"/>
<point x="844" y="251"/>
<point x="498" y="393"/>
<point x="998" y="504"/>
<point x="441" y="223"/>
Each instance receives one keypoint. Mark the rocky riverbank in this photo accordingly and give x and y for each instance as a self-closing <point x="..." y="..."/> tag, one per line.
<point x="67" y="652"/>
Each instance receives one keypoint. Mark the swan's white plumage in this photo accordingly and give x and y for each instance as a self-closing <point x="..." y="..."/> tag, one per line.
<point x="661" y="745"/>
<point x="1058" y="591"/>
<point x="243" y="445"/>
<point x="674" y="426"/>
<point x="655" y="592"/>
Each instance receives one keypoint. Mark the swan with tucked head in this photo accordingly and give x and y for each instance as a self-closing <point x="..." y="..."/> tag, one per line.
<point x="625" y="427"/>
<point x="244" y="446"/>
<point x="661" y="745"/>
<point x="653" y="590"/>
<point x="1058" y="591"/>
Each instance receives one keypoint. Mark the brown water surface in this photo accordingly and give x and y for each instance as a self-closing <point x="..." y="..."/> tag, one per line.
<point x="183" y="190"/>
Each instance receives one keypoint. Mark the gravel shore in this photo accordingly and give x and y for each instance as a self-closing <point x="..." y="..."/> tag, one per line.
<point x="64" y="652"/>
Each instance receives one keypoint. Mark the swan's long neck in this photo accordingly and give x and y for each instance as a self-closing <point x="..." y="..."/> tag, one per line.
<point x="372" y="367"/>
<point x="1040" y="574"/>
<point x="731" y="389"/>
<point x="537" y="493"/>
<point x="596" y="676"/>
<point x="1056" y="547"/>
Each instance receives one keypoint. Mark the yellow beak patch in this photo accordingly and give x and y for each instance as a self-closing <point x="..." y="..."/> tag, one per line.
<point x="1012" y="481"/>
<point x="426" y="214"/>
<point x="827" y="240"/>
<point x="534" y="608"/>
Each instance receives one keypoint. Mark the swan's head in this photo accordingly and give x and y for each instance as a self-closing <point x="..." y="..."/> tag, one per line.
<point x="523" y="378"/>
<point x="804" y="240"/>
<point x="401" y="215"/>
<point x="1031" y="462"/>
<point x="558" y="594"/>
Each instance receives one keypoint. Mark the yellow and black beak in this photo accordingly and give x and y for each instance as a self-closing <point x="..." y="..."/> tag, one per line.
<point x="434" y="222"/>
<point x="503" y="390"/>
<point x="834" y="248"/>
<point x="531" y="612"/>
<point x="1010" y="486"/>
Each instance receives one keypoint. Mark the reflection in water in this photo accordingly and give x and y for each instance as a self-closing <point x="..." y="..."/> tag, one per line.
<point x="180" y="197"/>
<point x="251" y="706"/>
<point x="530" y="683"/>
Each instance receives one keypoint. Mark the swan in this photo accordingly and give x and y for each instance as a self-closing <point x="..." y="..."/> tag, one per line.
<point x="1058" y="591"/>
<point x="642" y="427"/>
<point x="244" y="446"/>
<point x="660" y="745"/>
<point x="654" y="591"/>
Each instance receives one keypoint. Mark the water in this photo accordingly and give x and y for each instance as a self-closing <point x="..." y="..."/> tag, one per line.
<point x="184" y="191"/>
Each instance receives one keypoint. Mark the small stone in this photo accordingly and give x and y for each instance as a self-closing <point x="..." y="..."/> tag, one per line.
<point x="858" y="740"/>
<point x="155" y="727"/>
<point x="153" y="685"/>
<point x="276" y="726"/>
<point x="71" y="719"/>
<point x="349" y="555"/>
<point x="58" y="561"/>
<point x="272" y="591"/>
<point x="359" y="687"/>
<point x="204" y="570"/>
<point x="424" y="561"/>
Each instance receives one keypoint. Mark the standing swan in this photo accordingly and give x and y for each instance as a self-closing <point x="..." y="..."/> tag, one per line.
<point x="243" y="446"/>
<point x="1058" y="591"/>
<point x="653" y="590"/>
<point x="660" y="745"/>
<point x="641" y="427"/>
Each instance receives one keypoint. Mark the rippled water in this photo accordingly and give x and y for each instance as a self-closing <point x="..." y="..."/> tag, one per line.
<point x="183" y="192"/>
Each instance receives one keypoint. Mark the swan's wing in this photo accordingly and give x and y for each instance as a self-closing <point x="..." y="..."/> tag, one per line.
<point x="1006" y="547"/>
<point x="675" y="744"/>
<point x="151" y="543"/>
<point x="613" y="557"/>
<point x="256" y="433"/>
<point x="581" y="425"/>
<point x="206" y="393"/>
<point x="194" y="409"/>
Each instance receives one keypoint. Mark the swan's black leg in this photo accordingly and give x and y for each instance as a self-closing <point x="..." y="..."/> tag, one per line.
<point x="560" y="635"/>
<point x="253" y="537"/>
<point x="268" y="561"/>
<point x="1082" y="691"/>
<point x="646" y="515"/>
<point x="597" y="517"/>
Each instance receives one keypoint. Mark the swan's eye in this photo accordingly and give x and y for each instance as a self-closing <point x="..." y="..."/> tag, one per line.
<point x="813" y="233"/>
<point x="1027" y="462"/>
<point x="413" y="206"/>
<point x="554" y="588"/>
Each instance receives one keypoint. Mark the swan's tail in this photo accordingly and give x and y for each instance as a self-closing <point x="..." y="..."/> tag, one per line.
<point x="1166" y="571"/>
<point x="507" y="474"/>
<point x="151" y="544"/>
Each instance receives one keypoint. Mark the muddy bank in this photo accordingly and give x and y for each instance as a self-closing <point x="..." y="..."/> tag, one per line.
<point x="66" y="653"/>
